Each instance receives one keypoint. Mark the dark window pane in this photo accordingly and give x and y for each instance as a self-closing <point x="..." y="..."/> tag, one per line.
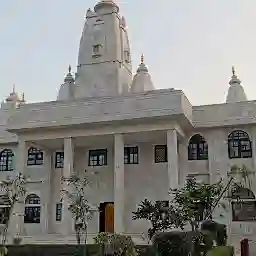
<point x="239" y="145"/>
<point x="160" y="153"/>
<point x="35" y="157"/>
<point x="98" y="157"/>
<point x="4" y="214"/>
<point x="32" y="199"/>
<point x="32" y="209"/>
<point x="131" y="155"/>
<point x="197" y="148"/>
<point x="58" y="211"/>
<point x="32" y="214"/>
<point x="244" y="211"/>
<point x="6" y="160"/>
<point x="59" y="159"/>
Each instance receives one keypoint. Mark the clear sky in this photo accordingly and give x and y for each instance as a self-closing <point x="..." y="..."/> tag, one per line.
<point x="188" y="44"/>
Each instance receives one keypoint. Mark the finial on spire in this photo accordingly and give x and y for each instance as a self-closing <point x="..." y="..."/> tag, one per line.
<point x="142" y="59"/>
<point x="234" y="78"/>
<point x="233" y="71"/>
<point x="69" y="68"/>
<point x="13" y="88"/>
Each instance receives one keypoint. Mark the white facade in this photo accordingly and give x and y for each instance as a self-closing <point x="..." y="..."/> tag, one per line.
<point x="102" y="109"/>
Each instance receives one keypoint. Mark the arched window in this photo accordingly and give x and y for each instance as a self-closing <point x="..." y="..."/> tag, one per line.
<point x="243" y="205"/>
<point x="239" y="145"/>
<point x="6" y="160"/>
<point x="35" y="156"/>
<point x="32" y="209"/>
<point x="197" y="148"/>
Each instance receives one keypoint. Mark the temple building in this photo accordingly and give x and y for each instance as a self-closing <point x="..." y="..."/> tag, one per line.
<point x="133" y="141"/>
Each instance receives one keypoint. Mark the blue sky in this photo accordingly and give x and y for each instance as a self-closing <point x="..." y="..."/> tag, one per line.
<point x="188" y="45"/>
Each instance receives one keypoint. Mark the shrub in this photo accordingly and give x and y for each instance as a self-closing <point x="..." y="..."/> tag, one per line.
<point x="219" y="231"/>
<point x="174" y="243"/>
<point x="221" y="251"/>
<point x="3" y="251"/>
<point x="116" y="244"/>
<point x="17" y="240"/>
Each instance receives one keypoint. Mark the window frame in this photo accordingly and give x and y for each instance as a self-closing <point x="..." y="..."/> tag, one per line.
<point x="97" y="50"/>
<point x="59" y="159"/>
<point x="131" y="155"/>
<point x="247" y="198"/>
<point x="6" y="160"/>
<point x="35" y="157"/>
<point x="236" y="140"/>
<point x="197" y="148"/>
<point x="5" y="217"/>
<point x="32" y="212"/>
<point x="5" y="205"/>
<point x="58" y="212"/>
<point x="158" y="147"/>
<point x="127" y="56"/>
<point x="97" y="154"/>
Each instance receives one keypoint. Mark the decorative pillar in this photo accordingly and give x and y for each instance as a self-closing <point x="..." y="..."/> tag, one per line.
<point x="16" y="226"/>
<point x="173" y="158"/>
<point x="119" y="197"/>
<point x="253" y="138"/>
<point x="67" y="222"/>
<point x="46" y="194"/>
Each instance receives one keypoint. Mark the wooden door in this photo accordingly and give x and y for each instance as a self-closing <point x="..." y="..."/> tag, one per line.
<point x="109" y="217"/>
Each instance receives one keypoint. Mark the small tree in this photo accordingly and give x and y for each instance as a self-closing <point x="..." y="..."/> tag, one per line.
<point x="160" y="217"/>
<point x="81" y="210"/>
<point x="195" y="201"/>
<point x="115" y="244"/>
<point x="13" y="190"/>
<point x="192" y="203"/>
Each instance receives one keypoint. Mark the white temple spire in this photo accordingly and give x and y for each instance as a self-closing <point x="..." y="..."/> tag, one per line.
<point x="69" y="77"/>
<point x="236" y="91"/>
<point x="142" y="80"/>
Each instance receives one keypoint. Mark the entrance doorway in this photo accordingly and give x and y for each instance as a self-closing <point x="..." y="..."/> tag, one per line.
<point x="107" y="217"/>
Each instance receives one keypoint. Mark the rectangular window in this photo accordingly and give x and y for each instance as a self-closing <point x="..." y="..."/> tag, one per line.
<point x="96" y="48"/>
<point x="35" y="157"/>
<point x="160" y="153"/>
<point x="58" y="211"/>
<point x="32" y="214"/>
<point x="98" y="157"/>
<point x="127" y="56"/>
<point x="192" y="151"/>
<point x="131" y="155"/>
<point x="4" y="214"/>
<point x="244" y="211"/>
<point x="59" y="159"/>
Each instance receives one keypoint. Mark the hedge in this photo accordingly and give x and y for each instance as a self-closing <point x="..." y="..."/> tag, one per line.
<point x="64" y="250"/>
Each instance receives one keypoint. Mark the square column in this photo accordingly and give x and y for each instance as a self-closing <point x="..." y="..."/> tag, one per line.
<point x="67" y="222"/>
<point x="119" y="197"/>
<point x="253" y="136"/>
<point x="173" y="158"/>
<point x="16" y="225"/>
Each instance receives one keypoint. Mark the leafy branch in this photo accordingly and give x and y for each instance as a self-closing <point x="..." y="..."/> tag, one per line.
<point x="80" y="208"/>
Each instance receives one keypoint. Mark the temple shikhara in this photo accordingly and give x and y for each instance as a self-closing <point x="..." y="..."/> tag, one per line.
<point x="134" y="141"/>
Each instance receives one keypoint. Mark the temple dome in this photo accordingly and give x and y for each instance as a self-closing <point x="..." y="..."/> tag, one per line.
<point x="142" y="80"/>
<point x="13" y="97"/>
<point x="236" y="91"/>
